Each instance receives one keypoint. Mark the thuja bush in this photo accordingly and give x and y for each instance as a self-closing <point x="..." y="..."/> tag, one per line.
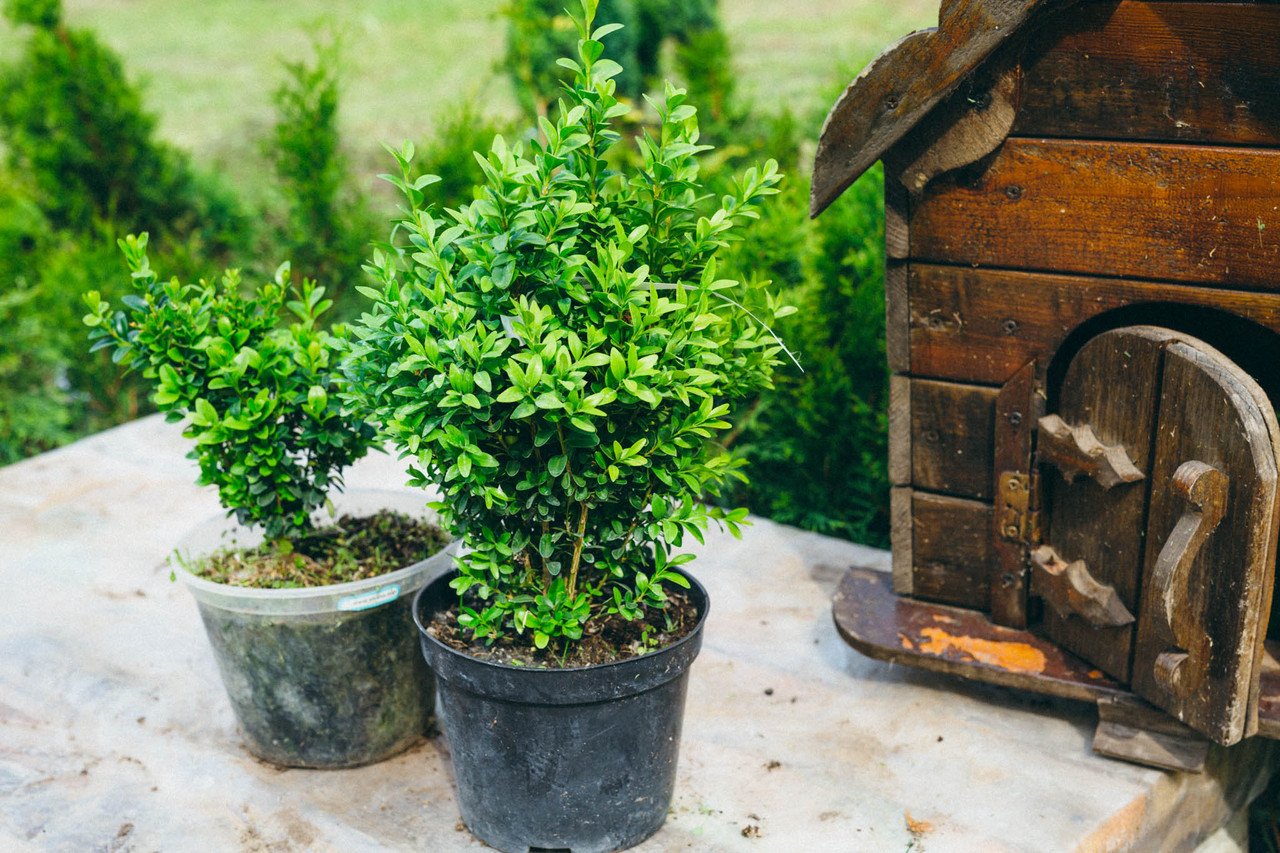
<point x="71" y="120"/>
<point x="816" y="444"/>
<point x="35" y="413"/>
<point x="258" y="397"/>
<point x="326" y="229"/>
<point x="557" y="354"/>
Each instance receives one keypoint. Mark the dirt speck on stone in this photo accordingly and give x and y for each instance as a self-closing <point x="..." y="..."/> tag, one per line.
<point x="918" y="828"/>
<point x="773" y="765"/>
<point x="751" y="830"/>
<point x="768" y="691"/>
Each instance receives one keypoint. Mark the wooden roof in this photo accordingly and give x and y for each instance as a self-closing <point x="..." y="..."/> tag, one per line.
<point x="901" y="85"/>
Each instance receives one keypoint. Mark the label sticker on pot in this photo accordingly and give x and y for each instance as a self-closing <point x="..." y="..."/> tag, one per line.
<point x="372" y="598"/>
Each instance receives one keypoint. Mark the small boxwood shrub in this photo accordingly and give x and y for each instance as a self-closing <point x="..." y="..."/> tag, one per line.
<point x="556" y="355"/>
<point x="259" y="399"/>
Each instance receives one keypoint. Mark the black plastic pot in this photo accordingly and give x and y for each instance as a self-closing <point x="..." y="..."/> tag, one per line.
<point x="564" y="759"/>
<point x="324" y="677"/>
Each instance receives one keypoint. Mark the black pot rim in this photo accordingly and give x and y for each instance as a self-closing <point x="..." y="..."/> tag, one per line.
<point x="693" y="635"/>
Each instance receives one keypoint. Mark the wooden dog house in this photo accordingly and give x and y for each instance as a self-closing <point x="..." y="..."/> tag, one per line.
<point x="1082" y="242"/>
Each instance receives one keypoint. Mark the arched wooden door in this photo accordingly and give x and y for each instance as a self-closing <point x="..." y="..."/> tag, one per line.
<point x="1160" y="482"/>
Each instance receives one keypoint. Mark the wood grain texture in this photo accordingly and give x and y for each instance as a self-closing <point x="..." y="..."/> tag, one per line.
<point x="1111" y="386"/>
<point x="957" y="641"/>
<point x="900" y="86"/>
<point x="967" y="127"/>
<point x="1016" y="410"/>
<point x="1132" y="730"/>
<point x="952" y="438"/>
<point x="1212" y="412"/>
<point x="1076" y="451"/>
<point x="982" y="326"/>
<point x="1153" y="211"/>
<point x="900" y="432"/>
<point x="897" y="312"/>
<point x="1195" y="72"/>
<point x="897" y="213"/>
<point x="951" y="550"/>
<point x="900" y="538"/>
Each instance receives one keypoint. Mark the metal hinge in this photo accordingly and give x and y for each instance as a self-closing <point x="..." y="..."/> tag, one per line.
<point x="1018" y="507"/>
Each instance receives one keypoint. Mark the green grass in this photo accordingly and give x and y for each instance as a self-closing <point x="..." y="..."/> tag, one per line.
<point x="209" y="67"/>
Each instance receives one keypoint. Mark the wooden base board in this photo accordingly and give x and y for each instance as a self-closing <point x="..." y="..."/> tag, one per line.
<point x="1132" y="730"/>
<point x="956" y="641"/>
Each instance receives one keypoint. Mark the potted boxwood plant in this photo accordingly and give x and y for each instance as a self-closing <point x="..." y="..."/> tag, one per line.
<point x="556" y="357"/>
<point x="311" y="628"/>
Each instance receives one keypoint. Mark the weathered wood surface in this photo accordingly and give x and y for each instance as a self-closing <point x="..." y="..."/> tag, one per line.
<point x="1075" y="451"/>
<point x="1153" y="211"/>
<point x="1211" y="411"/>
<point x="1195" y="72"/>
<point x="1179" y="670"/>
<point x="1132" y="730"/>
<point x="1111" y="386"/>
<point x="982" y="326"/>
<point x="952" y="438"/>
<point x="900" y="537"/>
<point x="964" y="129"/>
<point x="951" y="550"/>
<point x="1017" y="408"/>
<point x="900" y="432"/>
<point x="1071" y="590"/>
<point x="897" y="312"/>
<point x="897" y="212"/>
<point x="900" y="86"/>
<point x="957" y="641"/>
<point x="886" y="626"/>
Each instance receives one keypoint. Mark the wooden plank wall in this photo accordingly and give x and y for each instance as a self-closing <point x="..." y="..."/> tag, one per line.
<point x="1143" y="169"/>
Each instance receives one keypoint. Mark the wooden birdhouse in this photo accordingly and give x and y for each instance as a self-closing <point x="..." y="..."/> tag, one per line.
<point x="1082" y="242"/>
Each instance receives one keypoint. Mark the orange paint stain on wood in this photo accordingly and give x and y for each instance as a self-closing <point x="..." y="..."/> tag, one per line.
<point x="1014" y="657"/>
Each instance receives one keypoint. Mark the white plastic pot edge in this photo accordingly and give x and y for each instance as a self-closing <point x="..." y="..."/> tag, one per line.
<point x="334" y="598"/>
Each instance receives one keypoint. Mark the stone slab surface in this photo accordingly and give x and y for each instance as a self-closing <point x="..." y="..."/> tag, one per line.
<point x="115" y="733"/>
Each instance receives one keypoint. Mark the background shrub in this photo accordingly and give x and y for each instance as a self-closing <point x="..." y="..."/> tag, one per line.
<point x="326" y="228"/>
<point x="73" y="123"/>
<point x="816" y="446"/>
<point x="539" y="32"/>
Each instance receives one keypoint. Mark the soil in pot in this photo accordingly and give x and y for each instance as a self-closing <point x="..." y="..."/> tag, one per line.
<point x="330" y="675"/>
<point x="565" y="758"/>
<point x="607" y="639"/>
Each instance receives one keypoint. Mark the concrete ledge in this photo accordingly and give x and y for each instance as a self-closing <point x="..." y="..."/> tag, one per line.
<point x="115" y="733"/>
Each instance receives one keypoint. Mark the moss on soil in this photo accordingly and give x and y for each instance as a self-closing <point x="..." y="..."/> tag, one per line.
<point x="351" y="549"/>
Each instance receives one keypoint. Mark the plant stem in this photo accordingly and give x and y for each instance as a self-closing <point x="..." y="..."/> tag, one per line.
<point x="577" y="549"/>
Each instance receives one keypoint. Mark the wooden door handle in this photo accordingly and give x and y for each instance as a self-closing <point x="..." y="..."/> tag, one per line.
<point x="1071" y="590"/>
<point x="1076" y="450"/>
<point x="1180" y="669"/>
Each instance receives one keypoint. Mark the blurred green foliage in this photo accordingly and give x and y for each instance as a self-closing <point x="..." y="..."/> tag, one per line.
<point x="75" y="127"/>
<point x="815" y="444"/>
<point x="539" y="32"/>
<point x="326" y="228"/>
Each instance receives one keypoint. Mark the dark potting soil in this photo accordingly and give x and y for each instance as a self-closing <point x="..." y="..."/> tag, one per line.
<point x="352" y="548"/>
<point x="325" y="690"/>
<point x="605" y="639"/>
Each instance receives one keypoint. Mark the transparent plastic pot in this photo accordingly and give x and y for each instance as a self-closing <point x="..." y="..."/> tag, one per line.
<point x="321" y="677"/>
